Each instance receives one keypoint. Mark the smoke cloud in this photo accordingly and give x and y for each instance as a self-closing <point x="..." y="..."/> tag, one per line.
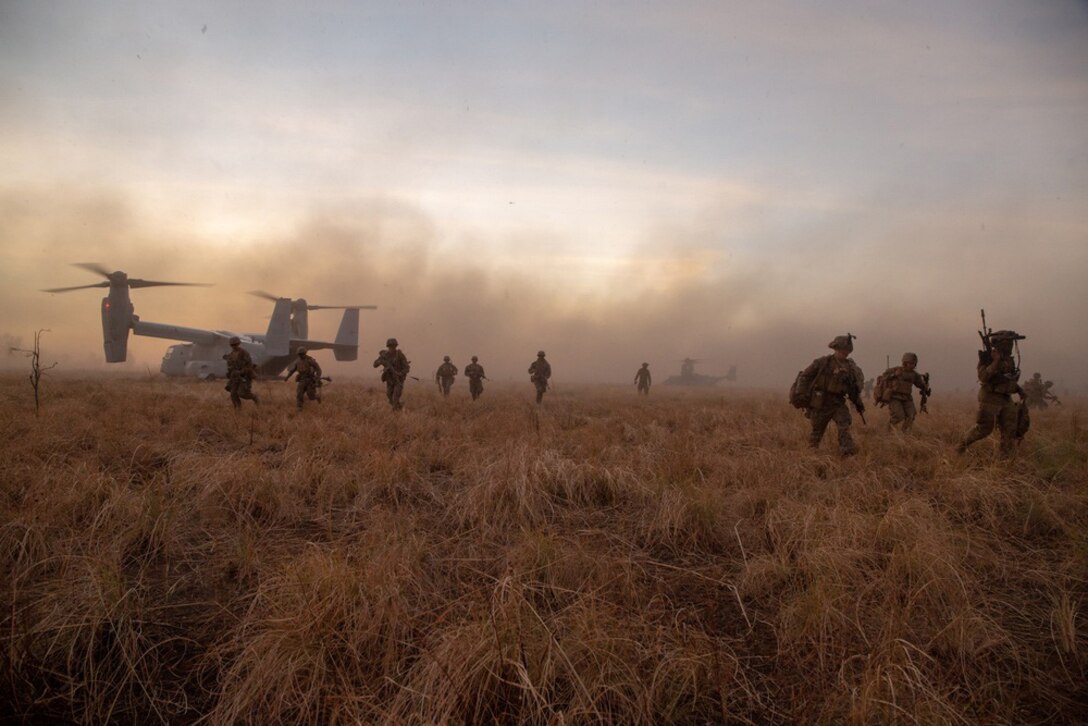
<point x="749" y="290"/>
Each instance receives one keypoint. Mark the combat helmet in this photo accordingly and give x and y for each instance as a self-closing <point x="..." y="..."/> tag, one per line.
<point x="391" y="342"/>
<point x="474" y="359"/>
<point x="301" y="351"/>
<point x="235" y="340"/>
<point x="446" y="358"/>
<point x="1005" y="339"/>
<point x="540" y="354"/>
<point x="645" y="365"/>
<point x="843" y="342"/>
<point x="910" y="358"/>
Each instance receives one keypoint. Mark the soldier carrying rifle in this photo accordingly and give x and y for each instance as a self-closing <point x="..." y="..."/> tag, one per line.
<point x="476" y="377"/>
<point x="444" y="375"/>
<point x="822" y="390"/>
<point x="540" y="371"/>
<point x="240" y="374"/>
<point x="998" y="379"/>
<point x="1037" y="392"/>
<point x="643" y="379"/>
<point x="395" y="367"/>
<point x="309" y="378"/>
<point x="894" y="389"/>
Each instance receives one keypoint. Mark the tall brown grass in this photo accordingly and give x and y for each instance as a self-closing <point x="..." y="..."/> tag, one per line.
<point x="677" y="559"/>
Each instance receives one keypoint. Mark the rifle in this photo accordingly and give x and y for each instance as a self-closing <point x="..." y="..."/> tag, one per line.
<point x="854" y="395"/>
<point x="985" y="356"/>
<point x="319" y="379"/>
<point x="854" y="391"/>
<point x="1048" y="396"/>
<point x="926" y="393"/>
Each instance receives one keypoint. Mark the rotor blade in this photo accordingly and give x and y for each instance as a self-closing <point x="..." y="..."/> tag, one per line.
<point x="77" y="287"/>
<point x="93" y="267"/>
<point x="265" y="295"/>
<point x="155" y="283"/>
<point x="341" y="307"/>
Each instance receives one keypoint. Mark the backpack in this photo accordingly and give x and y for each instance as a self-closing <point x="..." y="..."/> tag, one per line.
<point x="800" y="395"/>
<point x="883" y="388"/>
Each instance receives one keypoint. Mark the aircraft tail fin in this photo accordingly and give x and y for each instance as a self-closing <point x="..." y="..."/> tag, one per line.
<point x="278" y="338"/>
<point x="347" y="337"/>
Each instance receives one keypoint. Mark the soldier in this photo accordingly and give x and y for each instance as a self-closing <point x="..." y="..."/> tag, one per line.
<point x="1047" y="395"/>
<point x="642" y="379"/>
<point x="309" y="378"/>
<point x="476" y="376"/>
<point x="444" y="375"/>
<point x="998" y="378"/>
<point x="827" y="383"/>
<point x="395" y="367"/>
<point x="896" y="388"/>
<point x="1037" y="392"/>
<point x="539" y="372"/>
<point x="240" y="374"/>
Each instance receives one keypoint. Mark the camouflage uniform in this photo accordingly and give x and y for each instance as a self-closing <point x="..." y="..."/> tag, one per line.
<point x="899" y="385"/>
<point x="539" y="373"/>
<point x="309" y="378"/>
<point x="395" y="368"/>
<point x="444" y="376"/>
<point x="1033" y="392"/>
<point x="642" y="378"/>
<point x="475" y="373"/>
<point x="1047" y="395"/>
<point x="1037" y="392"/>
<point x="998" y="380"/>
<point x="830" y="381"/>
<point x="240" y="374"/>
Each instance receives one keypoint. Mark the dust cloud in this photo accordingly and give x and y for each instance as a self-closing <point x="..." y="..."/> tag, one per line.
<point x="746" y="291"/>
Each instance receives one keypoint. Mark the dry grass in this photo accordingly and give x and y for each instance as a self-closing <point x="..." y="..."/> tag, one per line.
<point x="681" y="559"/>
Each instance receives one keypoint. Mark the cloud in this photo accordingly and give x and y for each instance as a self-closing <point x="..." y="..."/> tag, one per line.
<point x="890" y="277"/>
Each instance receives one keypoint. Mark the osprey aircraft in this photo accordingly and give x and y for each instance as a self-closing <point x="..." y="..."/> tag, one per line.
<point x="688" y="376"/>
<point x="202" y="356"/>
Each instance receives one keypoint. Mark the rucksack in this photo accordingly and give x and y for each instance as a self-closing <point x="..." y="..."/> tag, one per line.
<point x="882" y="389"/>
<point x="800" y="395"/>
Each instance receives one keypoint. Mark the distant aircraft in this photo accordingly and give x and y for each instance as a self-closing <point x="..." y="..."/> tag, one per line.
<point x="202" y="355"/>
<point x="688" y="376"/>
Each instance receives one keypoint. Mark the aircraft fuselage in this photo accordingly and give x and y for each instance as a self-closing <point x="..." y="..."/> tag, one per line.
<point x="194" y="360"/>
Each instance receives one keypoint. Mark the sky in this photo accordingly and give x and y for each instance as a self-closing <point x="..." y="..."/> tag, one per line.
<point x="611" y="182"/>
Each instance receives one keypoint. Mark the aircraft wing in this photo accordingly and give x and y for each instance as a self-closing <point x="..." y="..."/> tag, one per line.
<point x="319" y="345"/>
<point x="177" y="332"/>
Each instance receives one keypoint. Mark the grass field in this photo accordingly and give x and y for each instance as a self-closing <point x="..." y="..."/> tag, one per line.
<point x="677" y="559"/>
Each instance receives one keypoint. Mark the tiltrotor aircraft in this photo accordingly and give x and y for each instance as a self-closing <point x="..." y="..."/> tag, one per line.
<point x="688" y="376"/>
<point x="202" y="355"/>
